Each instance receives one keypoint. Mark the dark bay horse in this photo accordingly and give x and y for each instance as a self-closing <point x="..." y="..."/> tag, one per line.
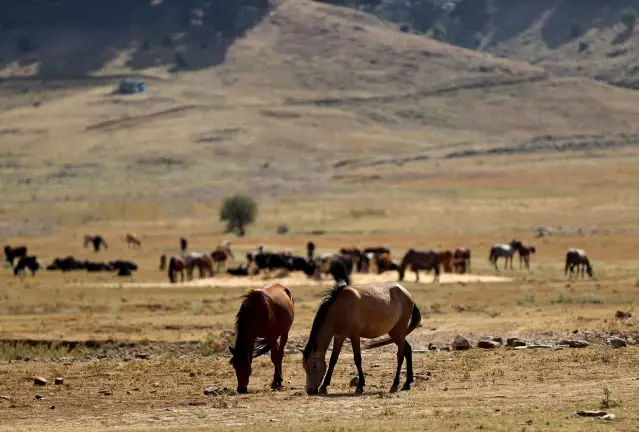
<point x="504" y="250"/>
<point x="27" y="262"/>
<point x="265" y="315"/>
<point x="177" y="264"/>
<point x="204" y="264"/>
<point x="366" y="311"/>
<point x="462" y="254"/>
<point x="97" y="241"/>
<point x="577" y="258"/>
<point x="11" y="253"/>
<point x="420" y="260"/>
<point x="524" y="255"/>
<point x="446" y="261"/>
<point x="132" y="240"/>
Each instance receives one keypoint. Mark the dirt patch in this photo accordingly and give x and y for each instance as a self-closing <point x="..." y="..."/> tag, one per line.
<point x="295" y="280"/>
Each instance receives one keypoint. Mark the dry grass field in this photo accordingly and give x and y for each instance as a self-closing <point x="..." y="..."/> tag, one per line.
<point x="334" y="122"/>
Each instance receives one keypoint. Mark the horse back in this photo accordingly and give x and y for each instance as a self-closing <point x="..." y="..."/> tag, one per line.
<point x="281" y="309"/>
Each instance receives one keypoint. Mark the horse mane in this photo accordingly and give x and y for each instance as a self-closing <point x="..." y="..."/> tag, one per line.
<point x="322" y="311"/>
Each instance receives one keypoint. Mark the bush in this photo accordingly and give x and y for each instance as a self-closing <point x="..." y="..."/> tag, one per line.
<point x="629" y="18"/>
<point x="438" y="32"/>
<point x="238" y="211"/>
<point x="180" y="61"/>
<point x="282" y="229"/>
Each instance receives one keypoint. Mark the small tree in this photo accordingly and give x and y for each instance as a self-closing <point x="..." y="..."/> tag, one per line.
<point x="629" y="18"/>
<point x="238" y="211"/>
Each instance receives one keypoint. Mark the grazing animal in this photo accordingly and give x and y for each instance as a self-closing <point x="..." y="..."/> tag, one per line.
<point x="183" y="244"/>
<point x="27" y="262"/>
<point x="366" y="311"/>
<point x="176" y="264"/>
<point x="266" y="260"/>
<point x="11" y="253"/>
<point x="96" y="241"/>
<point x="93" y="267"/>
<point x="221" y="254"/>
<point x="162" y="262"/>
<point x="577" y="258"/>
<point x="339" y="269"/>
<point x="364" y="264"/>
<point x="504" y="250"/>
<point x="463" y="254"/>
<point x="384" y="263"/>
<point x="446" y="261"/>
<point x="121" y="264"/>
<point x="420" y="260"/>
<point x="459" y="266"/>
<point x="265" y="316"/>
<point x="133" y="240"/>
<point x="524" y="255"/>
<point x="377" y="250"/>
<point x="338" y="266"/>
<point x="204" y="263"/>
<point x="298" y="263"/>
<point x="310" y="250"/>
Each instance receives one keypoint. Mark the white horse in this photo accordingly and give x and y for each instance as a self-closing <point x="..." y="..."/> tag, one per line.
<point x="504" y="250"/>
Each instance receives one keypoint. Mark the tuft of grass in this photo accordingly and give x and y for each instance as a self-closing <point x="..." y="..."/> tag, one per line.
<point x="10" y="350"/>
<point x="563" y="298"/>
<point x="590" y="298"/>
<point x="608" y="401"/>
<point x="527" y="299"/>
<point x="214" y="343"/>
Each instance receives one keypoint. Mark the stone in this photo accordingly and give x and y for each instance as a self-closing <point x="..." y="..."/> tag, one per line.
<point x="59" y="381"/>
<point x="39" y="397"/>
<point x="105" y="393"/>
<point x="616" y="342"/>
<point x="498" y="339"/>
<point x="515" y="342"/>
<point x="39" y="381"/>
<point x="592" y="413"/>
<point x="460" y="343"/>
<point x="431" y="347"/>
<point x="574" y="343"/>
<point x="488" y="344"/>
<point x="142" y="356"/>
<point x="354" y="381"/>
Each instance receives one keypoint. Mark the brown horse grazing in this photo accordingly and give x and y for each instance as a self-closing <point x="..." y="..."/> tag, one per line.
<point x="221" y="254"/>
<point x="264" y="316"/>
<point x="133" y="240"/>
<point x="384" y="263"/>
<point x="524" y="255"/>
<point x="162" y="262"/>
<point x="366" y="311"/>
<point x="577" y="258"/>
<point x="204" y="264"/>
<point x="462" y="253"/>
<point x="176" y="264"/>
<point x="446" y="261"/>
<point x="420" y="260"/>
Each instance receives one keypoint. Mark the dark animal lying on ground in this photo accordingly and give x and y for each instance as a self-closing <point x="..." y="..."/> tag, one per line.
<point x="67" y="264"/>
<point x="98" y="267"/>
<point x="298" y="263"/>
<point x="27" y="262"/>
<point x="241" y="270"/>
<point x="120" y="264"/>
<point x="11" y="253"/>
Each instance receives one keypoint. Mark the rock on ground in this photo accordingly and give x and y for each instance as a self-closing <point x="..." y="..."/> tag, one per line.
<point x="460" y="343"/>
<point x="574" y="343"/>
<point x="488" y="344"/>
<point x="616" y="342"/>
<point x="39" y="381"/>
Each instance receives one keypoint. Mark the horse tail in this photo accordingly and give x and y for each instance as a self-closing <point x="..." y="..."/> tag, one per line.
<point x="172" y="270"/>
<point x="415" y="320"/>
<point x="261" y="347"/>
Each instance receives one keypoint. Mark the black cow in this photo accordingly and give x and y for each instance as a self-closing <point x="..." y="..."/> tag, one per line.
<point x="93" y="267"/>
<point x="11" y="253"/>
<point x="269" y="260"/>
<point x="120" y="264"/>
<point x="27" y="262"/>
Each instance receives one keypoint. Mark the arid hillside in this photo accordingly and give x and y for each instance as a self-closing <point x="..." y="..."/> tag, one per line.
<point x="328" y="116"/>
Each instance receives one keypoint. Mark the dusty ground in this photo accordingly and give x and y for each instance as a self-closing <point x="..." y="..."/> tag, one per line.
<point x="155" y="348"/>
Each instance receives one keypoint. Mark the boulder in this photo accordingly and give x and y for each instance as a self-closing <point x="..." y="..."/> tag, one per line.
<point x="460" y="343"/>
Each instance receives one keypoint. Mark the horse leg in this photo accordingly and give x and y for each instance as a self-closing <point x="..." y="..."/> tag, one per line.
<point x="275" y="358"/>
<point x="282" y="345"/>
<point x="357" y="356"/>
<point x="417" y="275"/>
<point x="338" y="341"/>
<point x="408" y="353"/>
<point x="400" y="361"/>
<point x="437" y="271"/>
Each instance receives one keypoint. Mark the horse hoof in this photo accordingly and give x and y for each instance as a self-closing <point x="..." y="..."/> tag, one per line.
<point x="359" y="390"/>
<point x="406" y="387"/>
<point x="323" y="391"/>
<point x="393" y="389"/>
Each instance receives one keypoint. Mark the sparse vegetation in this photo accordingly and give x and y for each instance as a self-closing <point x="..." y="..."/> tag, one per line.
<point x="527" y="299"/>
<point x="282" y="229"/>
<point x="238" y="211"/>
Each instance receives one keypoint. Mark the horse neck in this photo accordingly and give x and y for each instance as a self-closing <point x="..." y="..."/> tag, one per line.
<point x="325" y="335"/>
